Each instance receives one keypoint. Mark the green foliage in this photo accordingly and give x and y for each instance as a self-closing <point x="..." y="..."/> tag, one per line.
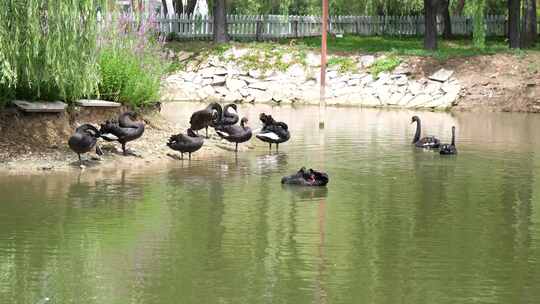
<point x="262" y="56"/>
<point x="344" y="64"/>
<point x="479" y="33"/>
<point x="385" y="64"/>
<point x="410" y="46"/>
<point x="337" y="7"/>
<point x="131" y="76"/>
<point x="46" y="51"/>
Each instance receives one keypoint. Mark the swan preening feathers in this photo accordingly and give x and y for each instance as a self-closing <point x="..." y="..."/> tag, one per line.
<point x="305" y="177"/>
<point x="273" y="132"/>
<point x="224" y="121"/>
<point x="124" y="130"/>
<point x="186" y="143"/>
<point x="206" y="117"/>
<point x="234" y="133"/>
<point x="84" y="140"/>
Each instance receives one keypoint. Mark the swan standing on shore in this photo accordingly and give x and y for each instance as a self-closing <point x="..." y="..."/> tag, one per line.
<point x="186" y="143"/>
<point x="84" y="140"/>
<point x="235" y="133"/>
<point x="125" y="130"/>
<point x="204" y="118"/>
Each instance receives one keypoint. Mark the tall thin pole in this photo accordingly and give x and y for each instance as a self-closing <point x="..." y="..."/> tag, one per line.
<point x="322" y="102"/>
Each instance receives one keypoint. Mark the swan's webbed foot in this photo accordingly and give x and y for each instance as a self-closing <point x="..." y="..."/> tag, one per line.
<point x="129" y="152"/>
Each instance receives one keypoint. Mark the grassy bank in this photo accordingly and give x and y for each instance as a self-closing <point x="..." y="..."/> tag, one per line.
<point x="410" y="46"/>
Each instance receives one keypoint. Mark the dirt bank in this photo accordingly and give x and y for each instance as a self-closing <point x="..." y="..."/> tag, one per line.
<point x="38" y="142"/>
<point x="500" y="82"/>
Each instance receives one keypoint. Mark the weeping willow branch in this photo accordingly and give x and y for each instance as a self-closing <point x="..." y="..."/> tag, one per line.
<point x="48" y="48"/>
<point x="479" y="33"/>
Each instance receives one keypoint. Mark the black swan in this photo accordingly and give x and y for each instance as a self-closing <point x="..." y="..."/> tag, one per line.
<point x="186" y="143"/>
<point x="84" y="139"/>
<point x="273" y="132"/>
<point x="236" y="133"/>
<point x="125" y="129"/>
<point x="306" y="178"/>
<point x="428" y="142"/>
<point x="450" y="149"/>
<point x="202" y="119"/>
<point x="228" y="117"/>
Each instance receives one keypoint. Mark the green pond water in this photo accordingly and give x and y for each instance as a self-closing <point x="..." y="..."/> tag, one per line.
<point x="395" y="224"/>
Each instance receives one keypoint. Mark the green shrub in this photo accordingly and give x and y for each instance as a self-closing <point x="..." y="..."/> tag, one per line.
<point x="129" y="78"/>
<point x="344" y="64"/>
<point x="131" y="63"/>
<point x="385" y="64"/>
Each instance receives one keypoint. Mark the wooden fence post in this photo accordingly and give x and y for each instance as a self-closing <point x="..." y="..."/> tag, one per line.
<point x="295" y="28"/>
<point x="258" y="30"/>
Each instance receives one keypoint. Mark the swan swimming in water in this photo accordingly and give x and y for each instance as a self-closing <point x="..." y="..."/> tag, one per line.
<point x="235" y="133"/>
<point x="125" y="130"/>
<point x="273" y="132"/>
<point x="186" y="143"/>
<point x="450" y="149"/>
<point x="306" y="177"/>
<point x="204" y="118"/>
<point x="84" y="140"/>
<point x="428" y="142"/>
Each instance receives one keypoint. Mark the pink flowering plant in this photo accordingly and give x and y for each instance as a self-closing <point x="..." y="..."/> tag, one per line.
<point x="132" y="59"/>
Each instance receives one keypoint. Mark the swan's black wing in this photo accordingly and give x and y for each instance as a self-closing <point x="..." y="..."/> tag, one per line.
<point x="428" y="142"/>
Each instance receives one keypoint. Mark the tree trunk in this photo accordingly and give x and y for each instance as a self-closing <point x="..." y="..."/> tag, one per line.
<point x="528" y="24"/>
<point x="190" y="6"/>
<point x="188" y="9"/>
<point x="459" y="8"/>
<point x="513" y="23"/>
<point x="447" y="22"/>
<point x="165" y="8"/>
<point x="220" y="22"/>
<point x="430" y="16"/>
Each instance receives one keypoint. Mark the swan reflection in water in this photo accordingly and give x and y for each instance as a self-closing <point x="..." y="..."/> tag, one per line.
<point x="272" y="162"/>
<point x="306" y="193"/>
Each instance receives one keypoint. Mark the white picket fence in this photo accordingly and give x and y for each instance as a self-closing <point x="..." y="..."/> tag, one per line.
<point x="275" y="27"/>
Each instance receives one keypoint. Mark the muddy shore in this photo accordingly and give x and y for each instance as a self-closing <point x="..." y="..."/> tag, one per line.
<point x="38" y="142"/>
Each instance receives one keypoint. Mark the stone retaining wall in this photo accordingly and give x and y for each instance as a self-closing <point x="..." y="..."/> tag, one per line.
<point x="216" y="80"/>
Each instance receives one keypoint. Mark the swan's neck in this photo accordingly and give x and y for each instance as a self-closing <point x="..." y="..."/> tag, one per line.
<point x="418" y="131"/>
<point x="453" y="137"/>
<point x="218" y="109"/>
<point x="229" y="111"/>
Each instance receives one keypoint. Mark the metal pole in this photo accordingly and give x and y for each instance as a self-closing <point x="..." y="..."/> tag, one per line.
<point x="322" y="102"/>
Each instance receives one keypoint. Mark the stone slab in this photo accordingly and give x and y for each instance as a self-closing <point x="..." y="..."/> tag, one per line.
<point x="97" y="103"/>
<point x="40" y="107"/>
<point x="441" y="75"/>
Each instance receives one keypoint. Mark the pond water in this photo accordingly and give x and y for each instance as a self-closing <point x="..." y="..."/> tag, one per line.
<point x="395" y="224"/>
